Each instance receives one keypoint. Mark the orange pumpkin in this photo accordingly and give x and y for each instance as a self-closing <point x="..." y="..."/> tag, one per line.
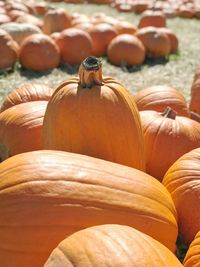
<point x="192" y="258"/>
<point x="156" y="42"/>
<point x="46" y="196"/>
<point x="84" y="114"/>
<point x="126" y="49"/>
<point x="56" y="20"/>
<point x="27" y="93"/>
<point x="183" y="182"/>
<point x="39" y="52"/>
<point x="21" y="128"/>
<point x="172" y="38"/>
<point x="125" y="27"/>
<point x="75" y="45"/>
<point x="159" y="97"/>
<point x="152" y="18"/>
<point x="28" y="18"/>
<point x="111" y="245"/>
<point x="167" y="137"/>
<point x="9" y="50"/>
<point x="101" y="35"/>
<point x="195" y="93"/>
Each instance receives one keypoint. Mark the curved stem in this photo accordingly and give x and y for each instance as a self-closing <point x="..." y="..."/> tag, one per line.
<point x="169" y="113"/>
<point x="90" y="72"/>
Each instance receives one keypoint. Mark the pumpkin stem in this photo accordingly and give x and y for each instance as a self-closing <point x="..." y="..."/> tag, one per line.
<point x="169" y="113"/>
<point x="90" y="72"/>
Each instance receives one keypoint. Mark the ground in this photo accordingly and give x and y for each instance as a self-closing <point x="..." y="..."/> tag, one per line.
<point x="176" y="71"/>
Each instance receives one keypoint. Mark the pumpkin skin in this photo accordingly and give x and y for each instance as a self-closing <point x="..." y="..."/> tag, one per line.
<point x="183" y="182"/>
<point x="167" y="137"/>
<point x="102" y="242"/>
<point x="26" y="93"/>
<point x="28" y="18"/>
<point x="126" y="48"/>
<point x="56" y="20"/>
<point x="60" y="193"/>
<point x="156" y="43"/>
<point x="101" y="35"/>
<point x="159" y="97"/>
<point x="172" y="38"/>
<point x="152" y="18"/>
<point x="21" y="128"/>
<point x="91" y="106"/>
<point x="9" y="50"/>
<point x="19" y="31"/>
<point x="192" y="258"/>
<point x="39" y="52"/>
<point x="194" y="104"/>
<point x="125" y="27"/>
<point x="70" y="42"/>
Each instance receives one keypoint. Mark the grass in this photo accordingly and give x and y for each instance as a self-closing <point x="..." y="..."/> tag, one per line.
<point x="176" y="71"/>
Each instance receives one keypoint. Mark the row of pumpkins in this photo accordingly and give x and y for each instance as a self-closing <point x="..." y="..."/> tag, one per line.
<point x="68" y="39"/>
<point x="171" y="8"/>
<point x="82" y="156"/>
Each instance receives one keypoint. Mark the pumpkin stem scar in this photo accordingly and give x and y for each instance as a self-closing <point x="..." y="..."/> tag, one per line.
<point x="169" y="113"/>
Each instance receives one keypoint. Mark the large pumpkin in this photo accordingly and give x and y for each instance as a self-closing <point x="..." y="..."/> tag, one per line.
<point x="183" y="182"/>
<point x="39" y="52"/>
<point x="111" y="245"/>
<point x="46" y="196"/>
<point x="167" y="137"/>
<point x="26" y="93"/>
<point x="192" y="258"/>
<point x="159" y="97"/>
<point x="21" y="128"/>
<point x="95" y="116"/>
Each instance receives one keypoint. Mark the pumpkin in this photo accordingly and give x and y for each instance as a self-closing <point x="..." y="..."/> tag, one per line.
<point x="75" y="45"/>
<point x="56" y="20"/>
<point x="46" y="196"/>
<point x="172" y="38"/>
<point x="9" y="50"/>
<point x="126" y="49"/>
<point x="183" y="182"/>
<point x="101" y="35"/>
<point x="4" y="19"/>
<point x="19" y="31"/>
<point x="41" y="8"/>
<point x="159" y="97"/>
<point x="194" y="104"/>
<point x="156" y="43"/>
<point x="15" y="14"/>
<point x="111" y="245"/>
<point x="125" y="27"/>
<point x="85" y="113"/>
<point x="28" y="18"/>
<point x="152" y="18"/>
<point x="21" y="128"/>
<point x="167" y="137"/>
<point x="39" y="52"/>
<point x="139" y="7"/>
<point x="192" y="258"/>
<point x="26" y="93"/>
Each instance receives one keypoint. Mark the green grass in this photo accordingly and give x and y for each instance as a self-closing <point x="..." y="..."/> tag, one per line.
<point x="176" y="71"/>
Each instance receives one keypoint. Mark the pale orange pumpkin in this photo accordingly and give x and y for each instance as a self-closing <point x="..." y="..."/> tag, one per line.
<point x="95" y="116"/>
<point x="46" y="196"/>
<point x="111" y="245"/>
<point x="21" y="128"/>
<point x="26" y="93"/>
<point x="39" y="52"/>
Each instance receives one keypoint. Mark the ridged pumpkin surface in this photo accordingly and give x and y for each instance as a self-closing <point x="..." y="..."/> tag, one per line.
<point x="111" y="245"/>
<point x="95" y="116"/>
<point x="48" y="195"/>
<point x="21" y="128"/>
<point x="192" y="258"/>
<point x="27" y="93"/>
<point x="183" y="182"/>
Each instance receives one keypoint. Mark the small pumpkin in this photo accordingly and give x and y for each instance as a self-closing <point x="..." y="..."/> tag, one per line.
<point x="39" y="52"/>
<point x="126" y="49"/>
<point x="167" y="137"/>
<point x="75" y="45"/>
<point x="182" y="180"/>
<point x="26" y="93"/>
<point x="104" y="107"/>
<point x="28" y="18"/>
<point x="152" y="18"/>
<point x="125" y="27"/>
<point x="46" y="196"/>
<point x="102" y="242"/>
<point x="159" y="97"/>
<point x="21" y="128"/>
